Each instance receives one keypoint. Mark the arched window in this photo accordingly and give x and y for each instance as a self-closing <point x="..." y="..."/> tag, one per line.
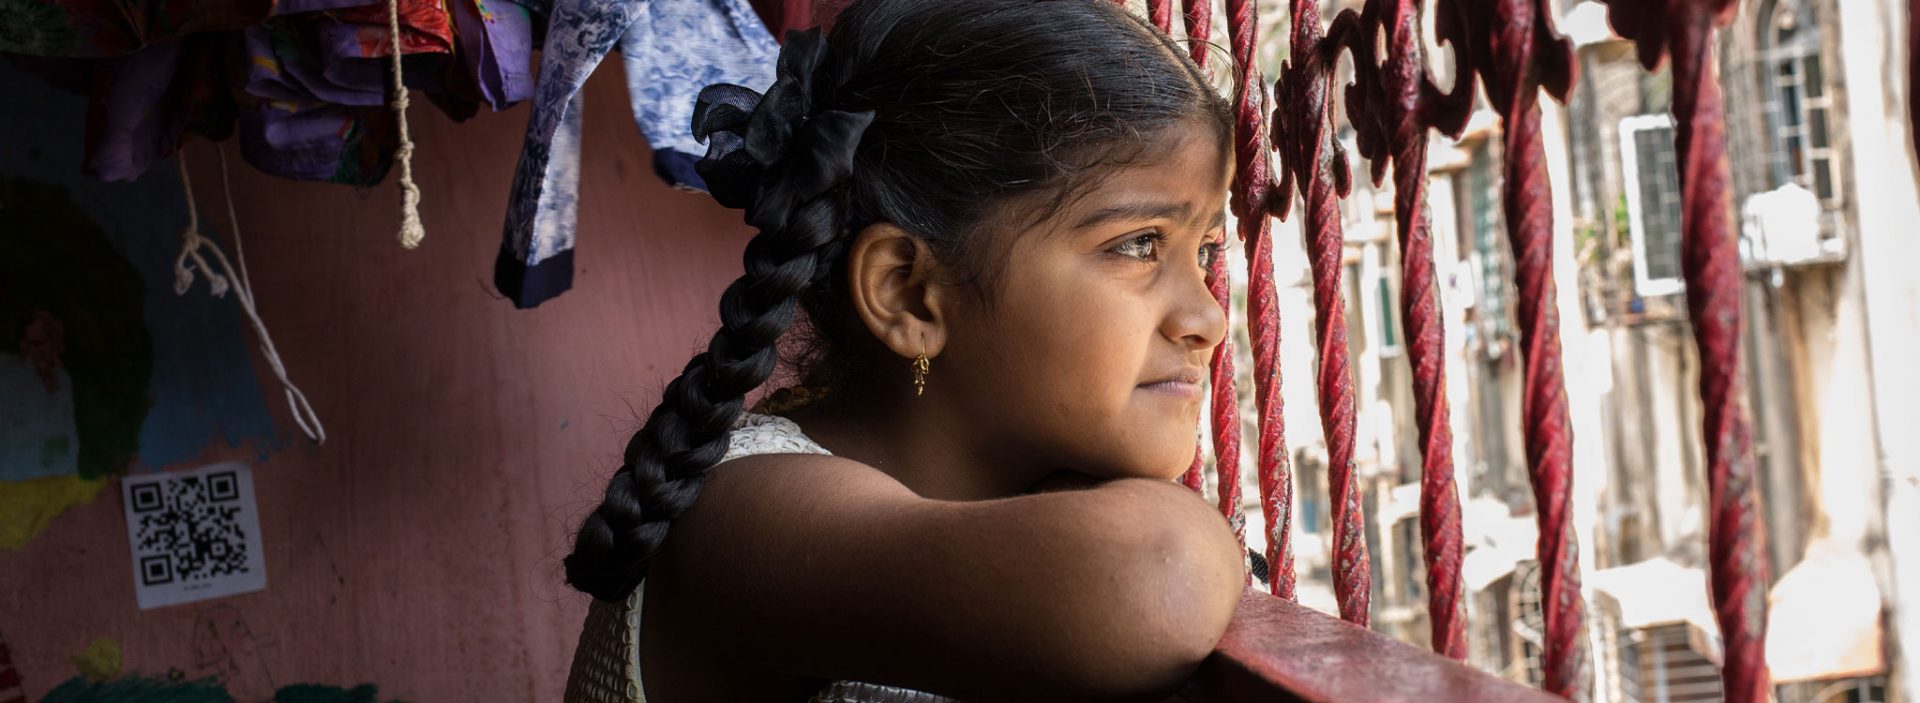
<point x="1799" y="100"/>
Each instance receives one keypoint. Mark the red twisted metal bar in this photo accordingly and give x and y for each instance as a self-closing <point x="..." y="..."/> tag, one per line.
<point x="1199" y="17"/>
<point x="1318" y="165"/>
<point x="1226" y="414"/>
<point x="1516" y="51"/>
<point x="1160" y="13"/>
<point x="1275" y="467"/>
<point x="1253" y="192"/>
<point x="1736" y="540"/>
<point x="1549" y="435"/>
<point x="1385" y="104"/>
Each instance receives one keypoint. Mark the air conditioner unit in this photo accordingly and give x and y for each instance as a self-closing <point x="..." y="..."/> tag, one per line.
<point x="1784" y="227"/>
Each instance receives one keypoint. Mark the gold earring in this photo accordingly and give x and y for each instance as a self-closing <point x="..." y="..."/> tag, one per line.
<point x="920" y="368"/>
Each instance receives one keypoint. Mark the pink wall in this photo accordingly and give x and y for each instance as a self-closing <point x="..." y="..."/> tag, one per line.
<point x="419" y="548"/>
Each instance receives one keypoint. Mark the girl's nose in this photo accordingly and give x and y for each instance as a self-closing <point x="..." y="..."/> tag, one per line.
<point x="1196" y="320"/>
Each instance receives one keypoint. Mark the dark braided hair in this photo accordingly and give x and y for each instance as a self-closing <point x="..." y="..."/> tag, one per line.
<point x="943" y="117"/>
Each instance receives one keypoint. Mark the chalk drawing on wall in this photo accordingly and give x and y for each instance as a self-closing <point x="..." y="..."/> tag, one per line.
<point x="138" y="688"/>
<point x="75" y="359"/>
<point x="100" y="661"/>
<point x="194" y="535"/>
<point x="226" y="648"/>
<point x="103" y="369"/>
<point x="154" y="689"/>
<point x="27" y="507"/>
<point x="74" y="308"/>
<point x="228" y="663"/>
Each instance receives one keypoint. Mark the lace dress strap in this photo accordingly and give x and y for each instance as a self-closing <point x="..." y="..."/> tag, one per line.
<point x="768" y="434"/>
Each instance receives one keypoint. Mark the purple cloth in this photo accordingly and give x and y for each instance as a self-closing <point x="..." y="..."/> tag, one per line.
<point x="142" y="105"/>
<point x="306" y="144"/>
<point x="132" y="130"/>
<point x="304" y="124"/>
<point x="496" y="43"/>
<point x="294" y="7"/>
<point x="283" y="64"/>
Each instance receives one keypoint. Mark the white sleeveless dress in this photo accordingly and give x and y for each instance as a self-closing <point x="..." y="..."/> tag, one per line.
<point x="606" y="666"/>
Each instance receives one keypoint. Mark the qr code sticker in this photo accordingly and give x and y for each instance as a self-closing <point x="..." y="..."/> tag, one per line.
<point x="194" y="534"/>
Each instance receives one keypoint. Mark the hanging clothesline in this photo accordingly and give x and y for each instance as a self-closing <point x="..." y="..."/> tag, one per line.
<point x="317" y="95"/>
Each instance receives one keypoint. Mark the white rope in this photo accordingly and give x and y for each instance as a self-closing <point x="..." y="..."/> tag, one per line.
<point x="225" y="278"/>
<point x="411" y="231"/>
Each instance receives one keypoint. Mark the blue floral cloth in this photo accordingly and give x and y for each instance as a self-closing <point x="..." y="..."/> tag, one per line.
<point x="671" y="49"/>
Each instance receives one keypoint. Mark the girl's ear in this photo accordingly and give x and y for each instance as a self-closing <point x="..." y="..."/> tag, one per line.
<point x="895" y="286"/>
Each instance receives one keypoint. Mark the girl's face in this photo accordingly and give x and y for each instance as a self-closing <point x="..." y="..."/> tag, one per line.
<point x="1093" y="347"/>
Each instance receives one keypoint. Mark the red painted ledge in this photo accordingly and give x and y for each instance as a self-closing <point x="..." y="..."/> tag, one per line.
<point x="1278" y="651"/>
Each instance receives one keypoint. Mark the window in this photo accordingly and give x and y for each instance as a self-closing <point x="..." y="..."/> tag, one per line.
<point x="1310" y="488"/>
<point x="1649" y="163"/>
<point x="1530" y="625"/>
<point x="1412" y="566"/>
<point x="1798" y="101"/>
<point x="1388" y="318"/>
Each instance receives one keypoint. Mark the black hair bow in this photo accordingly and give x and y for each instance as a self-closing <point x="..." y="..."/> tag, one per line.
<point x="767" y="153"/>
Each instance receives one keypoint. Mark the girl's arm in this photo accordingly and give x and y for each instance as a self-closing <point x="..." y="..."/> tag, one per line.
<point x="824" y="567"/>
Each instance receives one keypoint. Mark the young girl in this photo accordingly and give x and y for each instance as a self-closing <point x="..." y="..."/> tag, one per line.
<point x="997" y="217"/>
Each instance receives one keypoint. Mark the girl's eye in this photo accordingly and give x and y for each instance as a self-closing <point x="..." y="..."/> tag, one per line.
<point x="1210" y="252"/>
<point x="1144" y="247"/>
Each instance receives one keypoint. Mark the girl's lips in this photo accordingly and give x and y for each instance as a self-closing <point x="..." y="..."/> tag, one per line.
<point x="1175" y="387"/>
<point x="1183" y="382"/>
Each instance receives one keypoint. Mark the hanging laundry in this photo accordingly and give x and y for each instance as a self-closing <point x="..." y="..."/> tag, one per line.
<point x="493" y="48"/>
<point x="495" y="44"/>
<point x="143" y="105"/>
<point x="109" y="28"/>
<point x="308" y="85"/>
<point x="671" y="49"/>
<point x="297" y="121"/>
<point x="287" y="62"/>
<point x="313" y="77"/>
<point x="316" y="141"/>
<point x="461" y="53"/>
<point x="356" y="44"/>
<point x="320" y="80"/>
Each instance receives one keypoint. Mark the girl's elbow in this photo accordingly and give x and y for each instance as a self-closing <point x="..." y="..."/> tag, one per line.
<point x="1196" y="588"/>
<point x="1184" y="579"/>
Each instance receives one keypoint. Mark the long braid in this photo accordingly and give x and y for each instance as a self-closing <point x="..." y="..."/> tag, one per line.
<point x="784" y="161"/>
<point x="666" y="461"/>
